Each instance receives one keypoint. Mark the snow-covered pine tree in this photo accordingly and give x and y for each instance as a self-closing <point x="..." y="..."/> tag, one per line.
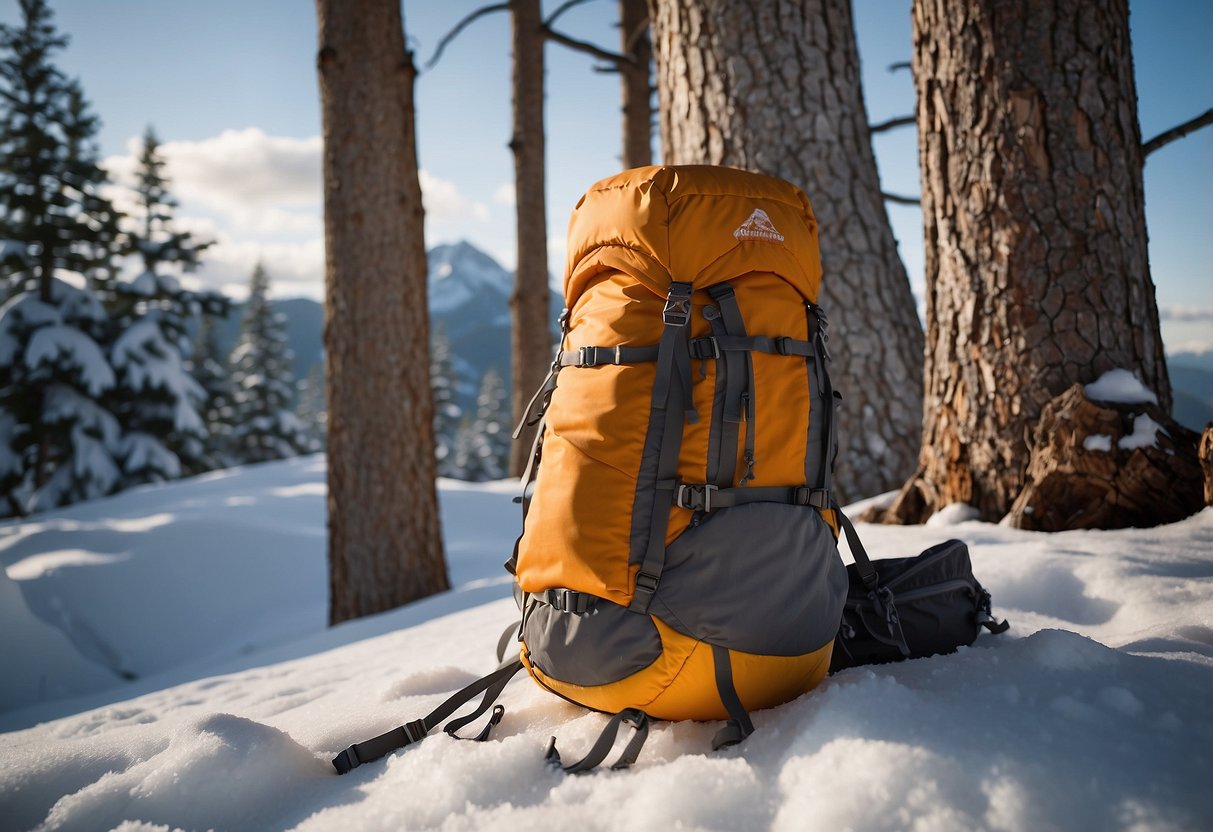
<point x="58" y="441"/>
<point x="209" y="367"/>
<point x="156" y="398"/>
<point x="266" y="427"/>
<point x="482" y="447"/>
<point x="447" y="412"/>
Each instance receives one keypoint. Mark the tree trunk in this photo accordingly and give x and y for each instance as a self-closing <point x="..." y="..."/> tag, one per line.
<point x="774" y="86"/>
<point x="385" y="542"/>
<point x="1036" y="264"/>
<point x="637" y="84"/>
<point x="530" y="341"/>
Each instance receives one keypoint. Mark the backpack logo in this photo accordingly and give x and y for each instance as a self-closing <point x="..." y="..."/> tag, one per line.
<point x="758" y="227"/>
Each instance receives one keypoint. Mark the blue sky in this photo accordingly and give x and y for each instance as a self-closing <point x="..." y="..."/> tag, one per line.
<point x="230" y="88"/>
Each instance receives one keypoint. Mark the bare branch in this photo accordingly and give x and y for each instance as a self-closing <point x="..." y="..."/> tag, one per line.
<point x="885" y="126"/>
<point x="900" y="200"/>
<point x="636" y="34"/>
<point x="900" y="65"/>
<point x="1177" y="133"/>
<point x="461" y="25"/>
<point x="588" y="48"/>
<point x="561" y="9"/>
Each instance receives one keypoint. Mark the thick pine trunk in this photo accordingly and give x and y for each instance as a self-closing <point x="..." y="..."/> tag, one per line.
<point x="774" y="86"/>
<point x="1036" y="263"/>
<point x="530" y="341"/>
<point x="385" y="542"/>
<point x="637" y="87"/>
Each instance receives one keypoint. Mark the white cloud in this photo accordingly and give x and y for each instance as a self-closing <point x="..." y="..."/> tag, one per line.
<point x="444" y="202"/>
<point x="505" y="194"/>
<point x="1185" y="313"/>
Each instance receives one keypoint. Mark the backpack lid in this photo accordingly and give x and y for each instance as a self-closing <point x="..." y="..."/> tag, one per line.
<point x="699" y="224"/>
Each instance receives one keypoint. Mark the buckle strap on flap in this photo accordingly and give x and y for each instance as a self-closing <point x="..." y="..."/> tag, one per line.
<point x="568" y="600"/>
<point x="708" y="497"/>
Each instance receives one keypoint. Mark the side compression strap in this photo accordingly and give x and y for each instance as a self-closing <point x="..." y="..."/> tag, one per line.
<point x="739" y="726"/>
<point x="415" y="731"/>
<point x="635" y="717"/>
<point x="734" y="325"/>
<point x="671" y="394"/>
<point x="863" y="564"/>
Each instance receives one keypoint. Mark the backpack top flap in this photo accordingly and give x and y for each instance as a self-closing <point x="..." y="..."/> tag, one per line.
<point x="694" y="223"/>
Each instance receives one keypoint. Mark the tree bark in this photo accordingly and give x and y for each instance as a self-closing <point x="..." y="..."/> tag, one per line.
<point x="637" y="86"/>
<point x="385" y="542"/>
<point x="1036" y="262"/>
<point x="774" y="86"/>
<point x="530" y="341"/>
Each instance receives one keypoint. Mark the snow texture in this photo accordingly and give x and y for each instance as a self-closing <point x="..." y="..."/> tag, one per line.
<point x="1093" y="712"/>
<point x="69" y="348"/>
<point x="952" y="515"/>
<point x="1144" y="435"/>
<point x="1119" y="386"/>
<point x="1097" y="442"/>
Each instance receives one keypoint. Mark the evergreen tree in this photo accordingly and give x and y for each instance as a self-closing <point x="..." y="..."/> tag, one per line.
<point x="447" y="412"/>
<point x="265" y="428"/>
<point x="209" y="367"/>
<point x="58" y="441"/>
<point x="156" y="398"/>
<point x="156" y="240"/>
<point x="482" y="447"/>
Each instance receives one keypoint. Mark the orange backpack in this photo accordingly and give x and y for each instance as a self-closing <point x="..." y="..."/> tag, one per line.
<point x="678" y="558"/>
<point x="678" y="555"/>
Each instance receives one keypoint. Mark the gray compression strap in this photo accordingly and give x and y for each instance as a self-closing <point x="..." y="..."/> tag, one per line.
<point x="597" y="356"/>
<point x="738" y="370"/>
<point x="635" y="717"/>
<point x="739" y="725"/>
<point x="708" y="347"/>
<point x="863" y="564"/>
<point x="671" y="383"/>
<point x="409" y="733"/>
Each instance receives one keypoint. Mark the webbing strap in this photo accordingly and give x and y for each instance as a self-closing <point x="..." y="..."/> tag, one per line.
<point x="863" y="564"/>
<point x="817" y="327"/>
<point x="739" y="726"/>
<point x="597" y="356"/>
<point x="415" y="731"/>
<point x="707" y="497"/>
<point x="716" y="344"/>
<point x="503" y="641"/>
<point x="635" y="717"/>
<point x="671" y="386"/>
<point x="739" y="371"/>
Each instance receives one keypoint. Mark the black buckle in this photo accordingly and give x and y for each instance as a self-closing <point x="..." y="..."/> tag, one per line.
<point x="818" y="498"/>
<point x="646" y="582"/>
<point x="695" y="497"/>
<point x="677" y="311"/>
<point x="781" y="344"/>
<point x="415" y="730"/>
<point x="711" y="342"/>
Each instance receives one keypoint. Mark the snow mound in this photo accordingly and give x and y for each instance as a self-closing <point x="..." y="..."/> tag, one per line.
<point x="953" y="515"/>
<point x="1119" y="386"/>
<point x="1144" y="435"/>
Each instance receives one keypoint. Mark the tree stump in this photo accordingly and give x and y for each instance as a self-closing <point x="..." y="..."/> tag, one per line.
<point x="1107" y="465"/>
<point x="1206" y="461"/>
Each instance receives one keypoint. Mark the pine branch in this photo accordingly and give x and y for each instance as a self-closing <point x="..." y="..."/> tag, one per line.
<point x="900" y="200"/>
<point x="885" y="126"/>
<point x="588" y="48"/>
<point x="1176" y="133"/>
<point x="461" y="25"/>
<point x="900" y="65"/>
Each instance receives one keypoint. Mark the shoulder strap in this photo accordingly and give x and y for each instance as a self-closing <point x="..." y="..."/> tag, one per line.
<point x="415" y="731"/>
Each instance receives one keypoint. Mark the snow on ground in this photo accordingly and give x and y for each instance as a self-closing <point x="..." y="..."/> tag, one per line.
<point x="1094" y="712"/>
